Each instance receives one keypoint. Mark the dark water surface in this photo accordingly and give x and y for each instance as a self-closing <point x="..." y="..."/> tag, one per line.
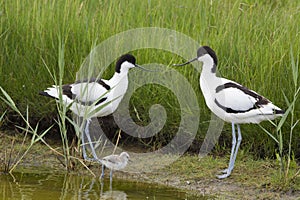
<point x="33" y="185"/>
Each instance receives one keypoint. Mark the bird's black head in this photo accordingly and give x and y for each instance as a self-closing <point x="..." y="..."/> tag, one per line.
<point x="207" y="50"/>
<point x="126" y="57"/>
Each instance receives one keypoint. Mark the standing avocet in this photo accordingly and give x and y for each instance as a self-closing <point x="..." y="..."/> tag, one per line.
<point x="95" y="97"/>
<point x="231" y="101"/>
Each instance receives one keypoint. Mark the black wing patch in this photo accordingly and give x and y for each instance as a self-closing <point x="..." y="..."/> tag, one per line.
<point x="89" y="103"/>
<point x="230" y="110"/>
<point x="107" y="87"/>
<point x="260" y="100"/>
<point x="100" y="81"/>
<point x="66" y="90"/>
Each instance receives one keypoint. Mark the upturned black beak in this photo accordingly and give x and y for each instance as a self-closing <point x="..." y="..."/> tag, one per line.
<point x="188" y="62"/>
<point x="149" y="70"/>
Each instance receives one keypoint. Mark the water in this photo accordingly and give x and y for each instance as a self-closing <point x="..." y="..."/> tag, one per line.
<point x="33" y="185"/>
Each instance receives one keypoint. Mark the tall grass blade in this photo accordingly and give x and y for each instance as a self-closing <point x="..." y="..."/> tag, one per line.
<point x="294" y="68"/>
<point x="2" y="116"/>
<point x="8" y="100"/>
<point x="266" y="131"/>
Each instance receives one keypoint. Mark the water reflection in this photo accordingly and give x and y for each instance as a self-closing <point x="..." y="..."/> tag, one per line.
<point x="114" y="194"/>
<point x="73" y="186"/>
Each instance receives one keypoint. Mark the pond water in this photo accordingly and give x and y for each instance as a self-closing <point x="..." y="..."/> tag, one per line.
<point x="32" y="185"/>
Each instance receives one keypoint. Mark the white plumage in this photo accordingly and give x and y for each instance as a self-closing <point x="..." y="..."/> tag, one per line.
<point x="95" y="97"/>
<point x="114" y="162"/>
<point x="86" y="96"/>
<point x="231" y="101"/>
<point x="233" y="105"/>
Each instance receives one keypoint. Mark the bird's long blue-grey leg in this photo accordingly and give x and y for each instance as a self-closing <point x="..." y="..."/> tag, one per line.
<point x="102" y="173"/>
<point x="110" y="178"/>
<point x="110" y="175"/>
<point x="85" y="157"/>
<point x="233" y="148"/>
<point x="101" y="188"/>
<point x="227" y="171"/>
<point x="87" y="133"/>
<point x="239" y="140"/>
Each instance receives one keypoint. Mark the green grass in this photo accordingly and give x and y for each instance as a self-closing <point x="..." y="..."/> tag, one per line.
<point x="248" y="172"/>
<point x="253" y="40"/>
<point x="9" y="164"/>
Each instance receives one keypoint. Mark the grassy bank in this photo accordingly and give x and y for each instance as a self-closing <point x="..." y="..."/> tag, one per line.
<point x="253" y="40"/>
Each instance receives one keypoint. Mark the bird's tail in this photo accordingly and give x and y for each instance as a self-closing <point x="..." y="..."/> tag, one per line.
<point x="272" y="110"/>
<point x="51" y="92"/>
<point x="279" y="112"/>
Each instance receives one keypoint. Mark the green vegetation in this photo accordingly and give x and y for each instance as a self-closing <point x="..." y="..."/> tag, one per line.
<point x="257" y="43"/>
<point x="248" y="173"/>
<point x="10" y="162"/>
